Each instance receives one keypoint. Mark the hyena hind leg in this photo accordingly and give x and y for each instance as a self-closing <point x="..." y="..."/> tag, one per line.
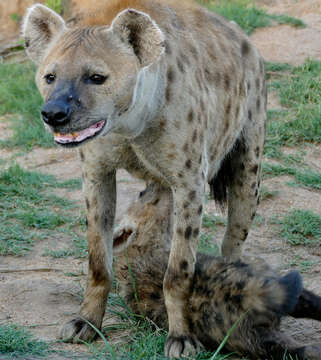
<point x="238" y="182"/>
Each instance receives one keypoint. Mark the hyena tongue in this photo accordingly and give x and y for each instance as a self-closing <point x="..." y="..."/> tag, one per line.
<point x="80" y="135"/>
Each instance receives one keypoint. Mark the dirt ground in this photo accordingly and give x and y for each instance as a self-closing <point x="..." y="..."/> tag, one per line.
<point x="35" y="290"/>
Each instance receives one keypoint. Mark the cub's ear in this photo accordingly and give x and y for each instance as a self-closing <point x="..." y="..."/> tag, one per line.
<point x="41" y="26"/>
<point x="139" y="31"/>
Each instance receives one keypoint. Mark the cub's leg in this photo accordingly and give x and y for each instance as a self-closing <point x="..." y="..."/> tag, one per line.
<point x="308" y="306"/>
<point x="278" y="346"/>
<point x="180" y="270"/>
<point x="100" y="197"/>
<point x="243" y="165"/>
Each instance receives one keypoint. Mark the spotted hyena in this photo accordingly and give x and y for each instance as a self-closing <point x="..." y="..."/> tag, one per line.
<point x="175" y="95"/>
<point x="222" y="292"/>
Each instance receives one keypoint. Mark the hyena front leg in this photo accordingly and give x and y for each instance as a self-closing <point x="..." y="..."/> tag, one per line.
<point x="100" y="198"/>
<point x="186" y="227"/>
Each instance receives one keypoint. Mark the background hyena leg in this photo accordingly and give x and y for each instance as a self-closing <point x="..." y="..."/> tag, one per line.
<point x="278" y="346"/>
<point x="243" y="191"/>
<point x="186" y="227"/>
<point x="100" y="197"/>
<point x="308" y="306"/>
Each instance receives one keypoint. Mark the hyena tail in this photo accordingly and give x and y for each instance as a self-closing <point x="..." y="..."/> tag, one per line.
<point x="226" y="173"/>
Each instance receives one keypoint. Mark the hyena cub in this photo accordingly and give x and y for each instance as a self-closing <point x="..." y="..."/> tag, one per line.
<point x="221" y="293"/>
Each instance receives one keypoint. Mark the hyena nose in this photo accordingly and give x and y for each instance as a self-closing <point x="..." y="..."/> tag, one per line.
<point x="56" y="113"/>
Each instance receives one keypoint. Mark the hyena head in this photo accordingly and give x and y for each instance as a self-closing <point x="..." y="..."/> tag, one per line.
<point x="147" y="225"/>
<point x="94" y="79"/>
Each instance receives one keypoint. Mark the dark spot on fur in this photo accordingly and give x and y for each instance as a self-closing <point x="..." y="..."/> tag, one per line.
<point x="256" y="192"/>
<point x="188" y="163"/>
<point x="200" y="209"/>
<point x="249" y="114"/>
<point x="186" y="205"/>
<point x="190" y="116"/>
<point x="86" y="222"/>
<point x="155" y="296"/>
<point x="242" y="166"/>
<point x="155" y="202"/>
<point x="188" y="232"/>
<point x="254" y="169"/>
<point x="253" y="216"/>
<point x="168" y="94"/>
<point x="257" y="84"/>
<point x="253" y="185"/>
<point x="180" y="175"/>
<point x="245" y="48"/>
<point x="226" y="82"/>
<point x="170" y="75"/>
<point x="194" y="138"/>
<point x="245" y="233"/>
<point x="168" y="48"/>
<point x="87" y="204"/>
<point x="82" y="155"/>
<point x="240" y="285"/>
<point x="180" y="231"/>
<point x="185" y="147"/>
<point x="186" y="216"/>
<point x="228" y="107"/>
<point x="192" y="195"/>
<point x="184" y="265"/>
<point x="257" y="151"/>
<point x="97" y="267"/>
<point x="180" y="65"/>
<point x="196" y="231"/>
<point x="258" y="104"/>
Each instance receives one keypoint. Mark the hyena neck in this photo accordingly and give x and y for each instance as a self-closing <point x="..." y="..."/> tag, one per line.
<point x="146" y="103"/>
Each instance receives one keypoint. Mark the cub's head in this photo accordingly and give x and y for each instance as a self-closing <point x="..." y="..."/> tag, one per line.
<point x="91" y="78"/>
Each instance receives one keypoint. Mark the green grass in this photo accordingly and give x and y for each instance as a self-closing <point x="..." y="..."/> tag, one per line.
<point x="18" y="343"/>
<point x="304" y="178"/>
<point x="301" y="227"/>
<point x="299" y="122"/>
<point x="141" y="339"/>
<point x="20" y="97"/>
<point x="29" y="211"/>
<point x="248" y="16"/>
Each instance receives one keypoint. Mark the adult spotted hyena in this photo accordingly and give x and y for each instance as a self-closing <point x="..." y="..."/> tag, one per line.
<point x="222" y="292"/>
<point x="170" y="92"/>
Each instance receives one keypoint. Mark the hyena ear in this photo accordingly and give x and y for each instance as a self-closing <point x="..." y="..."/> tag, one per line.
<point x="139" y="31"/>
<point x="41" y="26"/>
<point x="123" y="236"/>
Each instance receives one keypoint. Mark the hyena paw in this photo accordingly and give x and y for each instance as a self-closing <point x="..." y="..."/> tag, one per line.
<point x="182" y="346"/>
<point x="77" y="330"/>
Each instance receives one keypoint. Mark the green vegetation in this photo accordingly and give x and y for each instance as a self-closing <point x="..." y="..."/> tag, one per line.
<point x="18" y="343"/>
<point x="301" y="227"/>
<point x="248" y="16"/>
<point x="299" y="121"/>
<point x="28" y="212"/>
<point x="266" y="193"/>
<point x="302" y="264"/>
<point x="20" y="97"/>
<point x="55" y="5"/>
<point x="306" y="178"/>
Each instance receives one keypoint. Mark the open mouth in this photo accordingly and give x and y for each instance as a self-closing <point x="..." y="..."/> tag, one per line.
<point x="80" y="136"/>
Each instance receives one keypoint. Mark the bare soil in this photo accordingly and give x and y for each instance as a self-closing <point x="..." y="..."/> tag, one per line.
<point x="36" y="291"/>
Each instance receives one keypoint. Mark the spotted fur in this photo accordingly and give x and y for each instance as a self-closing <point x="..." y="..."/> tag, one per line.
<point x="222" y="293"/>
<point x="182" y="102"/>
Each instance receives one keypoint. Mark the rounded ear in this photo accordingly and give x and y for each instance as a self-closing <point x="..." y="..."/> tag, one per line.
<point x="41" y="26"/>
<point x="139" y="31"/>
<point x="123" y="236"/>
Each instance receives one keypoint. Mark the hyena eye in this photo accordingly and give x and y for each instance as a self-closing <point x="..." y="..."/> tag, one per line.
<point x="50" y="78"/>
<point x="97" y="79"/>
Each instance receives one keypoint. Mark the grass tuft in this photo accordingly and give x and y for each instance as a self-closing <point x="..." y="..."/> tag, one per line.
<point x="18" y="343"/>
<point x="28" y="212"/>
<point x="301" y="227"/>
<point x="20" y="97"/>
<point x="248" y="16"/>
